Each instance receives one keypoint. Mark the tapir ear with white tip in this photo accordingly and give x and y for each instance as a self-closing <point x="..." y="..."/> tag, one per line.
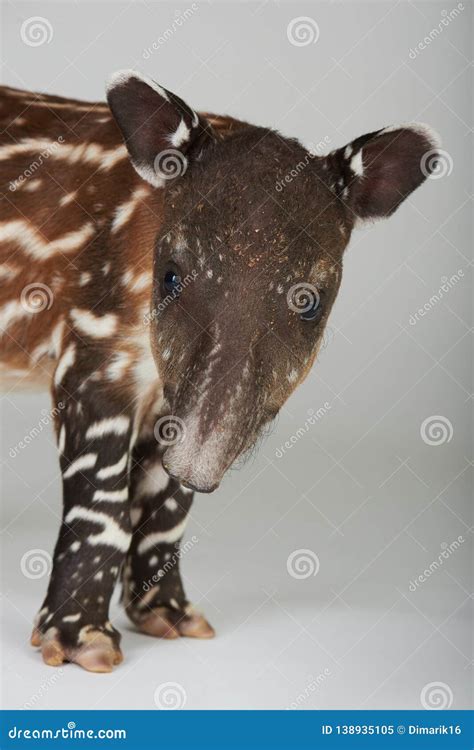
<point x="377" y="171"/>
<point x="161" y="132"/>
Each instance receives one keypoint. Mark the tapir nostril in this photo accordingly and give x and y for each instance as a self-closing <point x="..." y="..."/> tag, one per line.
<point x="190" y="485"/>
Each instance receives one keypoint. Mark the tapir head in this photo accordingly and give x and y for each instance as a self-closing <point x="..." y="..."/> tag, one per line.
<point x="248" y="258"/>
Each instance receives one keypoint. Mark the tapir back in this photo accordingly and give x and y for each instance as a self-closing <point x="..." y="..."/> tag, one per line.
<point x="73" y="221"/>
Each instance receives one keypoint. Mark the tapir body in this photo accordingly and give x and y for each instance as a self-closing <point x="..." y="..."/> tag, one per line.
<point x="158" y="278"/>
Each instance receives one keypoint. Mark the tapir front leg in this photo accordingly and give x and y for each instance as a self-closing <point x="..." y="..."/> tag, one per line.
<point x="94" y="435"/>
<point x="153" y="591"/>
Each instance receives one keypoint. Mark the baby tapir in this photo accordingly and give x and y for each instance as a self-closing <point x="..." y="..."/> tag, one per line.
<point x="170" y="275"/>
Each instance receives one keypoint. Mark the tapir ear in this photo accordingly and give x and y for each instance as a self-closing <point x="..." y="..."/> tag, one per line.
<point x="161" y="132"/>
<point x="377" y="171"/>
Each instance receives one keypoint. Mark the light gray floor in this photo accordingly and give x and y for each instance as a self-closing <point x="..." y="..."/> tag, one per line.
<point x="351" y="636"/>
<point x="360" y="489"/>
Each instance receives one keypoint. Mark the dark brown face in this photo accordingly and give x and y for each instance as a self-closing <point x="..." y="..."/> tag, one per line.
<point x="248" y="260"/>
<point x="245" y="277"/>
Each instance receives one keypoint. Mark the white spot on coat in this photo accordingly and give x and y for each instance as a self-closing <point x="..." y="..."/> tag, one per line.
<point x="111" y="535"/>
<point x="96" y="326"/>
<point x="87" y="461"/>
<point x="159" y="537"/>
<point x="113" y="469"/>
<point x="357" y="164"/>
<point x="112" y="496"/>
<point x="66" y="361"/>
<point x="111" y="425"/>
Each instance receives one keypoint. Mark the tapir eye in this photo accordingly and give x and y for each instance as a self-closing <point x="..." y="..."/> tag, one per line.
<point x="172" y="283"/>
<point x="312" y="311"/>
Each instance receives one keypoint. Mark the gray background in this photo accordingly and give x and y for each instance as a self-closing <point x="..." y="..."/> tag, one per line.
<point x="361" y="490"/>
